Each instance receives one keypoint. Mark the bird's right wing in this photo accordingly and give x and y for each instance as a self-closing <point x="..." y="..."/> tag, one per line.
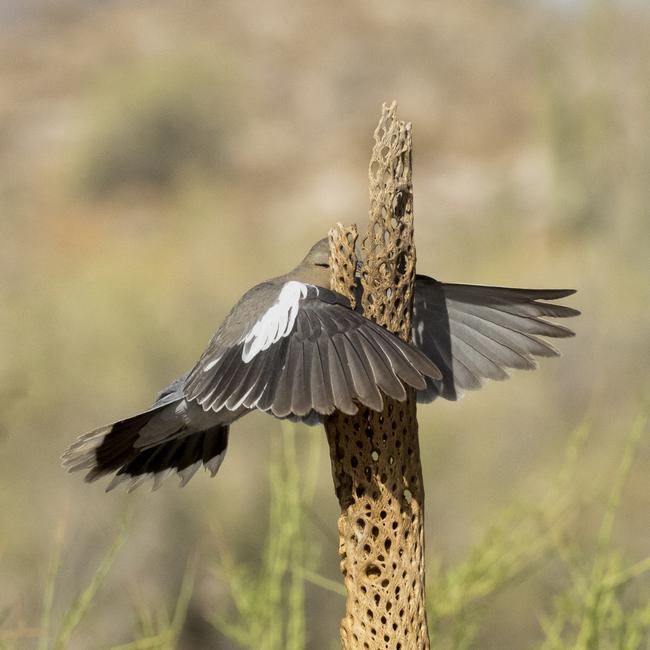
<point x="474" y="333"/>
<point x="307" y="353"/>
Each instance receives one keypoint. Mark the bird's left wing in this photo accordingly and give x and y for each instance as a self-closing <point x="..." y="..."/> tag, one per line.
<point x="306" y="352"/>
<point x="473" y="333"/>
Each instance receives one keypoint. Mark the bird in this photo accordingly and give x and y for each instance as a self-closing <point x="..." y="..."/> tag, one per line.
<point x="295" y="349"/>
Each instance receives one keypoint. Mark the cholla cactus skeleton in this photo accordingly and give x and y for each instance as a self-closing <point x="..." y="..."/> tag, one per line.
<point x="375" y="456"/>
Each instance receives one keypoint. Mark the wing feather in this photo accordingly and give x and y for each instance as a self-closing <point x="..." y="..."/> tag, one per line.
<point x="301" y="401"/>
<point x="365" y="387"/>
<point x="474" y="333"/>
<point x="281" y="404"/>
<point x="342" y="392"/>
<point x="321" y="397"/>
<point x="382" y="370"/>
<point x="308" y="354"/>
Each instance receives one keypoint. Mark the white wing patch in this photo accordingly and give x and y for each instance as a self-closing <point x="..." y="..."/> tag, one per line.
<point x="277" y="322"/>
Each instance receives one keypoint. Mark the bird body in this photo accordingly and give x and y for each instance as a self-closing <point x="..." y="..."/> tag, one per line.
<point x="296" y="349"/>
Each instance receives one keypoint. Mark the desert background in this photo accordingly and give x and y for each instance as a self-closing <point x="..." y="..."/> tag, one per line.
<point x="159" y="158"/>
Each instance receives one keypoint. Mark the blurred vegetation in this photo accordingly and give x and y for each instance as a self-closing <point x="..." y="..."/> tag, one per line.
<point x="160" y="159"/>
<point x="270" y="600"/>
<point x="152" y="126"/>
<point x="594" y="610"/>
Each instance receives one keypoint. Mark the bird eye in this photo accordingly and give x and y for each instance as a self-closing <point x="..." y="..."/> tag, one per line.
<point x="325" y="266"/>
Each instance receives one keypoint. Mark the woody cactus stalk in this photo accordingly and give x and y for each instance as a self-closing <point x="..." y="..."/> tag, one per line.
<point x="375" y="455"/>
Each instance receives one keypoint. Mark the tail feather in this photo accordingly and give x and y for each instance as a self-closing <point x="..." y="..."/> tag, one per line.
<point x="114" y="449"/>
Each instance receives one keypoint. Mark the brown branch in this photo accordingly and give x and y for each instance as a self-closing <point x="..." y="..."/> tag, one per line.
<point x="375" y="456"/>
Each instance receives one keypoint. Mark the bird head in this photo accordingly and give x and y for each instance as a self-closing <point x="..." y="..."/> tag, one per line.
<point x="315" y="268"/>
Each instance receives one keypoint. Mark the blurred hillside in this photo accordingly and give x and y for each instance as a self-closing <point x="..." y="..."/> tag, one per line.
<point x="159" y="158"/>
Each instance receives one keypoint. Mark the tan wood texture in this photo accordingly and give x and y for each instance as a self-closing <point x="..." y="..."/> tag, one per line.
<point x="375" y="456"/>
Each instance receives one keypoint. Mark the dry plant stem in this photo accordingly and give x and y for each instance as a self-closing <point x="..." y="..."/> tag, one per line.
<point x="375" y="456"/>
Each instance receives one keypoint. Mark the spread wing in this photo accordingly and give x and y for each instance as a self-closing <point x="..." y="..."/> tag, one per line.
<point x="474" y="333"/>
<point x="306" y="352"/>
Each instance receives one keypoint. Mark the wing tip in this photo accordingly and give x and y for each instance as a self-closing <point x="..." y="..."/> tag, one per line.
<point x="554" y="294"/>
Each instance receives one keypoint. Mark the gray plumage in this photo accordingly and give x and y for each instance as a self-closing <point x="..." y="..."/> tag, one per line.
<point x="320" y="366"/>
<point x="125" y="448"/>
<point x="295" y="349"/>
<point x="473" y="333"/>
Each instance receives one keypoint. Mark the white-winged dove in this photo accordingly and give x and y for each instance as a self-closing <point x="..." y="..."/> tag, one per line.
<point x="297" y="350"/>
